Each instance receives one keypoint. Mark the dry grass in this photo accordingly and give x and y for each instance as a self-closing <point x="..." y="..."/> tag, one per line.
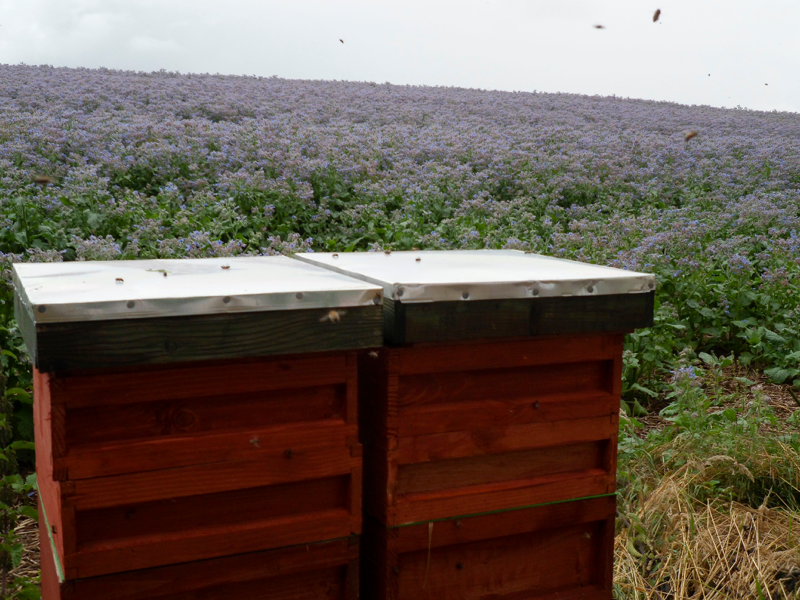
<point x="713" y="518"/>
<point x="730" y="551"/>
<point x="27" y="531"/>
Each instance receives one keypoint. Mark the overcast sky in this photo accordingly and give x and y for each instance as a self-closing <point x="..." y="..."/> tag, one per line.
<point x="713" y="52"/>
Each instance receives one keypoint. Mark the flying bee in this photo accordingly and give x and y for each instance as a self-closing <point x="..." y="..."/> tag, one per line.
<point x="418" y="259"/>
<point x="226" y="266"/>
<point x="373" y="354"/>
<point x="120" y="280"/>
<point x="656" y="15"/>
<point x="387" y="251"/>
<point x="599" y="26"/>
<point x="333" y="316"/>
<point x="165" y="273"/>
<point x="42" y="180"/>
<point x="689" y="135"/>
<point x="341" y="40"/>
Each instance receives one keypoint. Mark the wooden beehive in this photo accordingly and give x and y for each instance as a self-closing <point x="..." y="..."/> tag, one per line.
<point x="554" y="552"/>
<point x="499" y="385"/>
<point x="497" y="391"/>
<point x="163" y="457"/>
<point x="467" y="428"/>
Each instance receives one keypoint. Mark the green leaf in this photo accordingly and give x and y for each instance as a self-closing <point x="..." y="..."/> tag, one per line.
<point x="644" y="390"/>
<point x="20" y="394"/>
<point x="8" y="353"/>
<point x="28" y="511"/>
<point x="16" y="554"/>
<point x="778" y="374"/>
<point x="20" y="445"/>
<point x="706" y="358"/>
<point x="729" y="414"/>
<point x="774" y="337"/>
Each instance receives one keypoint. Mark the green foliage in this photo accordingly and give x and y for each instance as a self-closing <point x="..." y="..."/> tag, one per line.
<point x="15" y="491"/>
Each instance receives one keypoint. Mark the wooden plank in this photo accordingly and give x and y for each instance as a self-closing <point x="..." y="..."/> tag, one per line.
<point x="588" y="314"/>
<point x="100" y="492"/>
<point x="50" y="583"/>
<point x="553" y="552"/>
<point x="501" y="467"/>
<point x="491" y="414"/>
<point x="412" y="323"/>
<point x="50" y="499"/>
<point x="506" y="354"/>
<point x="506" y="384"/>
<point x="257" y="575"/>
<point x="270" y="443"/>
<point x="464" y="530"/>
<point x="101" y="344"/>
<point x="443" y="504"/>
<point x="451" y="321"/>
<point x="459" y="444"/>
<point x="157" y="549"/>
<point x="206" y="414"/>
<point x="213" y="379"/>
<point x="183" y="515"/>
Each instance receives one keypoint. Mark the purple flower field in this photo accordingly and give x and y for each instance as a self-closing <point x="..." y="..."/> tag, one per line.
<point x="99" y="164"/>
<point x="168" y="165"/>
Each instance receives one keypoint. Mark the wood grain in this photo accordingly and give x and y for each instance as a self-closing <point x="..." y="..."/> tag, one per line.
<point x="212" y="541"/>
<point x="495" y="440"/>
<point x="318" y="571"/>
<point x="413" y="323"/>
<point x="443" y="504"/>
<point x="158" y="465"/>
<point x="102" y="344"/>
<point x="498" y="467"/>
<point x="556" y="551"/>
<point x="455" y="429"/>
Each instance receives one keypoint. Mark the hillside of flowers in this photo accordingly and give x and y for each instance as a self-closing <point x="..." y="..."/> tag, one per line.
<point x="100" y="165"/>
<point x="160" y="164"/>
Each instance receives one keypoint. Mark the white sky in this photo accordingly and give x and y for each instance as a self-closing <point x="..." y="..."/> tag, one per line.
<point x="545" y="45"/>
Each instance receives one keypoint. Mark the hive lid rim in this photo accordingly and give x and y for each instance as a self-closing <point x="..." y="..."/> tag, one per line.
<point x="433" y="275"/>
<point x="111" y="290"/>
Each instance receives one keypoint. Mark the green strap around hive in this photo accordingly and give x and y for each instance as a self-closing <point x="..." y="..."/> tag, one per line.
<point x="56" y="559"/>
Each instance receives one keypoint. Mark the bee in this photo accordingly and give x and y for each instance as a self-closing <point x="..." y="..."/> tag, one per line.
<point x="689" y="135"/>
<point x="335" y="255"/>
<point x="341" y="40"/>
<point x="418" y="259"/>
<point x="165" y="273"/>
<point x="42" y="180"/>
<point x="766" y="84"/>
<point x="387" y="252"/>
<point x="333" y="316"/>
<point x="599" y="26"/>
<point x="120" y="280"/>
<point x="255" y="442"/>
<point x="373" y="354"/>
<point x="226" y="266"/>
<point x="656" y="15"/>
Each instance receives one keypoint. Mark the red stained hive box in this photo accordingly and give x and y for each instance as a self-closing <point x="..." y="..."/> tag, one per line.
<point x="187" y="419"/>
<point x="497" y="389"/>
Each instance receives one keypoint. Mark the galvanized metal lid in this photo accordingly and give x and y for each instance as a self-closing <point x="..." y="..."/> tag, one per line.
<point x="128" y="289"/>
<point x="439" y="275"/>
